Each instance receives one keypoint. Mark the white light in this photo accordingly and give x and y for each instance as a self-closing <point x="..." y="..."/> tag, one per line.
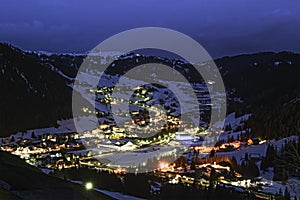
<point x="163" y="165"/>
<point x="89" y="186"/>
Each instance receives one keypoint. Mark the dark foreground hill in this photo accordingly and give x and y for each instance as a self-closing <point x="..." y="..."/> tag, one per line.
<point x="27" y="182"/>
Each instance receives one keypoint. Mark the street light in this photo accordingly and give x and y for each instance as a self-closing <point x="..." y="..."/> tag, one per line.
<point x="89" y="185"/>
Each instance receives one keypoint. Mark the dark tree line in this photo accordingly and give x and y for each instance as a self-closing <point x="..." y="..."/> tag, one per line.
<point x="285" y="162"/>
<point x="32" y="95"/>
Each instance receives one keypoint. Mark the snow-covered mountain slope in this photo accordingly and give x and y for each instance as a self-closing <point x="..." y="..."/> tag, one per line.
<point x="35" y="86"/>
<point x="32" y="94"/>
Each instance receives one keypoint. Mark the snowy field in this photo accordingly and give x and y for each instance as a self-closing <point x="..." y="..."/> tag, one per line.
<point x="115" y="195"/>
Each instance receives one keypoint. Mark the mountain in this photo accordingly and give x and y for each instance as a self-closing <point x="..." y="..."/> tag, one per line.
<point x="24" y="181"/>
<point x="270" y="87"/>
<point x="33" y="93"/>
<point x="36" y="87"/>
<point x="256" y="76"/>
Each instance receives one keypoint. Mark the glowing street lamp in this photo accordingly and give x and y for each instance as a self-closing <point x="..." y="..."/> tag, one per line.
<point x="89" y="186"/>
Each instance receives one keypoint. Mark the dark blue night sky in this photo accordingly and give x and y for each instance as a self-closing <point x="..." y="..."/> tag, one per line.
<point x="222" y="27"/>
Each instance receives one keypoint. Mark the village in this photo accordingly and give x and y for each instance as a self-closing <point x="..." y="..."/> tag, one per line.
<point x="198" y="165"/>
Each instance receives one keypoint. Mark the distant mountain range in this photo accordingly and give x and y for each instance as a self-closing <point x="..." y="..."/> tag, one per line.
<point x="36" y="88"/>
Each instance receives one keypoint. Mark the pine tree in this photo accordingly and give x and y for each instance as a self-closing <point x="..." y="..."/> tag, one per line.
<point x="33" y="135"/>
<point x="12" y="139"/>
<point x="212" y="153"/>
<point x="280" y="192"/>
<point x="253" y="169"/>
<point x="246" y="157"/>
<point x="234" y="162"/>
<point x="287" y="195"/>
<point x="263" y="164"/>
<point x="228" y="128"/>
<point x="228" y="139"/>
<point x="284" y="176"/>
<point x="232" y="138"/>
<point x="270" y="157"/>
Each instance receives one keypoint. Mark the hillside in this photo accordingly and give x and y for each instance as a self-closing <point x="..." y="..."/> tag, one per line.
<point x="270" y="87"/>
<point x="28" y="182"/>
<point x="5" y="194"/>
<point x="33" y="94"/>
<point x="36" y="89"/>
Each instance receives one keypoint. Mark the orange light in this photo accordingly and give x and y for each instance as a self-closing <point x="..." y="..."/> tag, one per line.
<point x="163" y="165"/>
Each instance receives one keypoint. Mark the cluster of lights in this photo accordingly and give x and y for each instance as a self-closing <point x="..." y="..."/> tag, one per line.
<point x="163" y="165"/>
